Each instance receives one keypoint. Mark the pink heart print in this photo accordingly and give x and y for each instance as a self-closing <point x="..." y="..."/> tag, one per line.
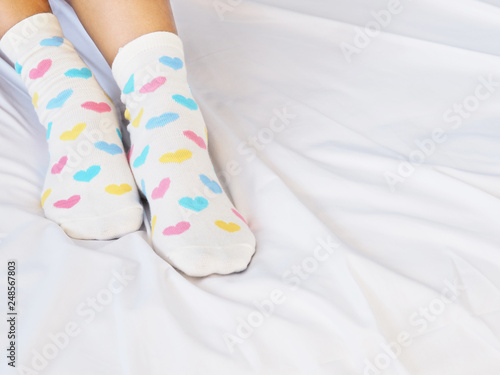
<point x="195" y="138"/>
<point x="130" y="153"/>
<point x="58" y="167"/>
<point x="239" y="215"/>
<point x="68" y="203"/>
<point x="159" y="192"/>
<point x="178" y="228"/>
<point x="97" y="107"/>
<point x="41" y="69"/>
<point x="153" y="85"/>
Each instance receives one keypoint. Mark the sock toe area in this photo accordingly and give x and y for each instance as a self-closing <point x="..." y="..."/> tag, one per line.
<point x="200" y="261"/>
<point x="106" y="227"/>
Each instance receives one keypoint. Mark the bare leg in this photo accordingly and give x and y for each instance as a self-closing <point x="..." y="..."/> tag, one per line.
<point x="114" y="23"/>
<point x="12" y="12"/>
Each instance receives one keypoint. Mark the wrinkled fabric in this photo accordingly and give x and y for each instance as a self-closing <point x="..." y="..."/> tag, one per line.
<point x="368" y="168"/>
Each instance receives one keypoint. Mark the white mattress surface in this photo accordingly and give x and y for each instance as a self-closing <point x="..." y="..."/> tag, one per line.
<point x="367" y="165"/>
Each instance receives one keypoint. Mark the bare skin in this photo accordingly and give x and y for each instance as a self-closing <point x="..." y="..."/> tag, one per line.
<point x="13" y="12"/>
<point x="110" y="23"/>
<point x="113" y="23"/>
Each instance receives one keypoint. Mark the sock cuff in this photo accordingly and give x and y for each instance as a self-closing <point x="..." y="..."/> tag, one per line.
<point x="131" y="56"/>
<point x="27" y="34"/>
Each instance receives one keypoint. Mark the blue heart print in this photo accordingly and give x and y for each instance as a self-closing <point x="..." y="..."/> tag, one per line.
<point x="49" y="129"/>
<point x="110" y="148"/>
<point x="60" y="99"/>
<point x="162" y="120"/>
<point x="55" y="41"/>
<point x="141" y="159"/>
<point x="175" y="63"/>
<point x="87" y="175"/>
<point x="212" y="185"/>
<point x="197" y="204"/>
<point x="79" y="73"/>
<point x="186" y="102"/>
<point x="129" y="86"/>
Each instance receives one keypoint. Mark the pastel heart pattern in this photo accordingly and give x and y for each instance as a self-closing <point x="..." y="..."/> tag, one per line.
<point x="239" y="215"/>
<point x="59" y="166"/>
<point x="152" y="86"/>
<point x="137" y="120"/>
<point x="211" y="184"/>
<point x="118" y="189"/>
<point x="153" y="225"/>
<point x="176" y="157"/>
<point x="35" y="99"/>
<point x="107" y="96"/>
<point x="196" y="204"/>
<point x="73" y="134"/>
<point x="174" y="63"/>
<point x="88" y="174"/>
<point x="162" y="120"/>
<point x="141" y="159"/>
<point x="110" y="148"/>
<point x="42" y="68"/>
<point x="45" y="195"/>
<point x="228" y="227"/>
<point x="19" y="68"/>
<point x="195" y="138"/>
<point x="186" y="102"/>
<point x="97" y="107"/>
<point x="68" y="203"/>
<point x="159" y="192"/>
<point x="49" y="130"/>
<point x="60" y="99"/>
<point x="55" y="41"/>
<point x="177" y="229"/>
<point x="119" y="134"/>
<point x="129" y="86"/>
<point x="84" y="73"/>
<point x="130" y="153"/>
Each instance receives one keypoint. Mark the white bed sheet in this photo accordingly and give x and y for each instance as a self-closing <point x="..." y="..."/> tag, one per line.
<point x="413" y="271"/>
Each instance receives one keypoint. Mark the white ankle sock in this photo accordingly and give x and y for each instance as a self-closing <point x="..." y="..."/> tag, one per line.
<point x="194" y="225"/>
<point x="89" y="189"/>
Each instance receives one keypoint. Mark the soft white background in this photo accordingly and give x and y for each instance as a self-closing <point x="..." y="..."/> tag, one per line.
<point x="320" y="177"/>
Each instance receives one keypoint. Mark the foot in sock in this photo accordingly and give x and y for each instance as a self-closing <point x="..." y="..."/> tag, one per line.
<point x="89" y="189"/>
<point x="194" y="225"/>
